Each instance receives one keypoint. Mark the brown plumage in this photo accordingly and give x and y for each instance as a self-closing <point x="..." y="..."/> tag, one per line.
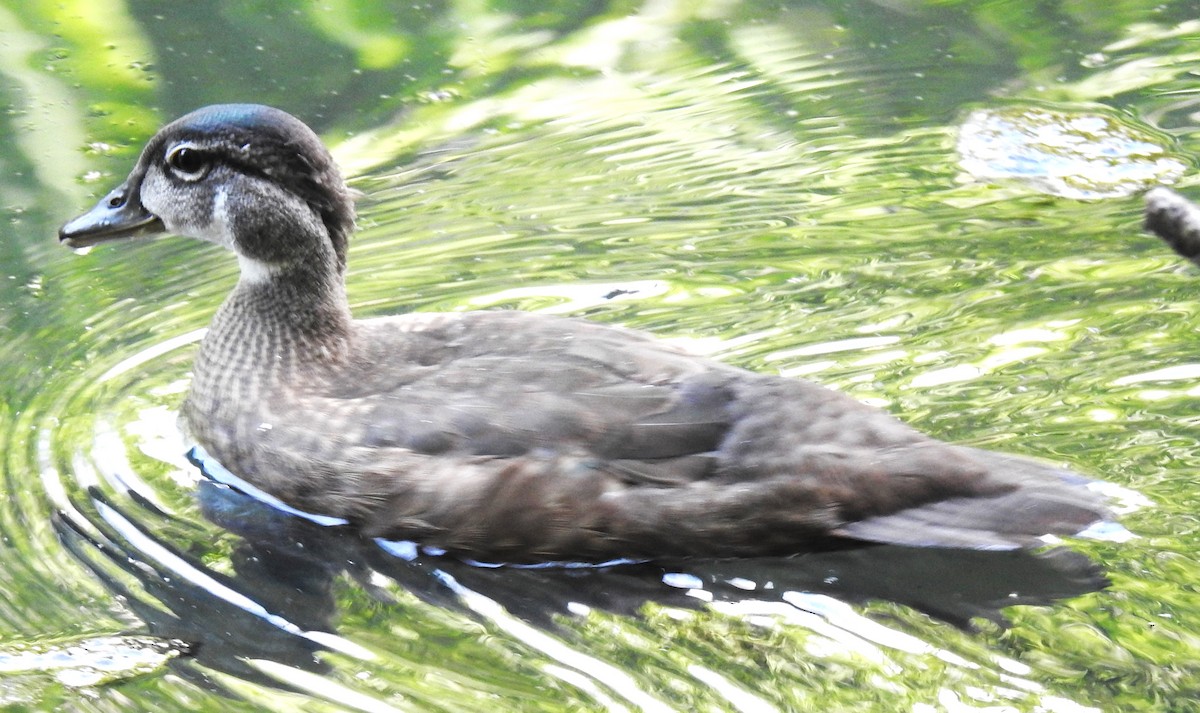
<point x="517" y="436"/>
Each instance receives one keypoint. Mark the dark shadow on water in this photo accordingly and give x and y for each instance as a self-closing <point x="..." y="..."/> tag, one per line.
<point x="280" y="604"/>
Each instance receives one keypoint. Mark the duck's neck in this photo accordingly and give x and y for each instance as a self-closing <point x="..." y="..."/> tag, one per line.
<point x="279" y="322"/>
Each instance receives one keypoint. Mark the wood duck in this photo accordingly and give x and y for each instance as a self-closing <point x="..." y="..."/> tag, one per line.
<point x="515" y="436"/>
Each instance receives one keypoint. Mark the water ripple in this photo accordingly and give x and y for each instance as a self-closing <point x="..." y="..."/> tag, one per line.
<point x="757" y="191"/>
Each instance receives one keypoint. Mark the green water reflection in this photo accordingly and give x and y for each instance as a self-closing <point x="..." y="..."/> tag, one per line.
<point x="778" y="184"/>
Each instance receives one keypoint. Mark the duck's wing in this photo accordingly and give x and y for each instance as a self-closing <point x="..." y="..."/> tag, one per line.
<point x="510" y="383"/>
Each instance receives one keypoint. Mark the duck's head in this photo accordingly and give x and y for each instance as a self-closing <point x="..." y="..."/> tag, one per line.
<point x="252" y="178"/>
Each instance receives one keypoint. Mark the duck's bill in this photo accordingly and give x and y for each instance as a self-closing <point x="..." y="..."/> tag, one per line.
<point x="117" y="215"/>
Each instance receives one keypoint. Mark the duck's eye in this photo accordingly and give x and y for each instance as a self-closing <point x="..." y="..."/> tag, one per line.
<point x="189" y="162"/>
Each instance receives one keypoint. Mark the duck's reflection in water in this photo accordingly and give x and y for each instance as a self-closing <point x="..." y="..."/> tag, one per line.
<point x="279" y="608"/>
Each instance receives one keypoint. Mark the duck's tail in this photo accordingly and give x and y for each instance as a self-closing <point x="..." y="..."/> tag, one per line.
<point x="1040" y="504"/>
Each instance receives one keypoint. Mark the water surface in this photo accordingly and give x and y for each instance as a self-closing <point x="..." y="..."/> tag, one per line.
<point x="930" y="206"/>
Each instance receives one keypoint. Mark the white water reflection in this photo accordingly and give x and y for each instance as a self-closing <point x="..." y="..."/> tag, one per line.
<point x="87" y="662"/>
<point x="1065" y="152"/>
